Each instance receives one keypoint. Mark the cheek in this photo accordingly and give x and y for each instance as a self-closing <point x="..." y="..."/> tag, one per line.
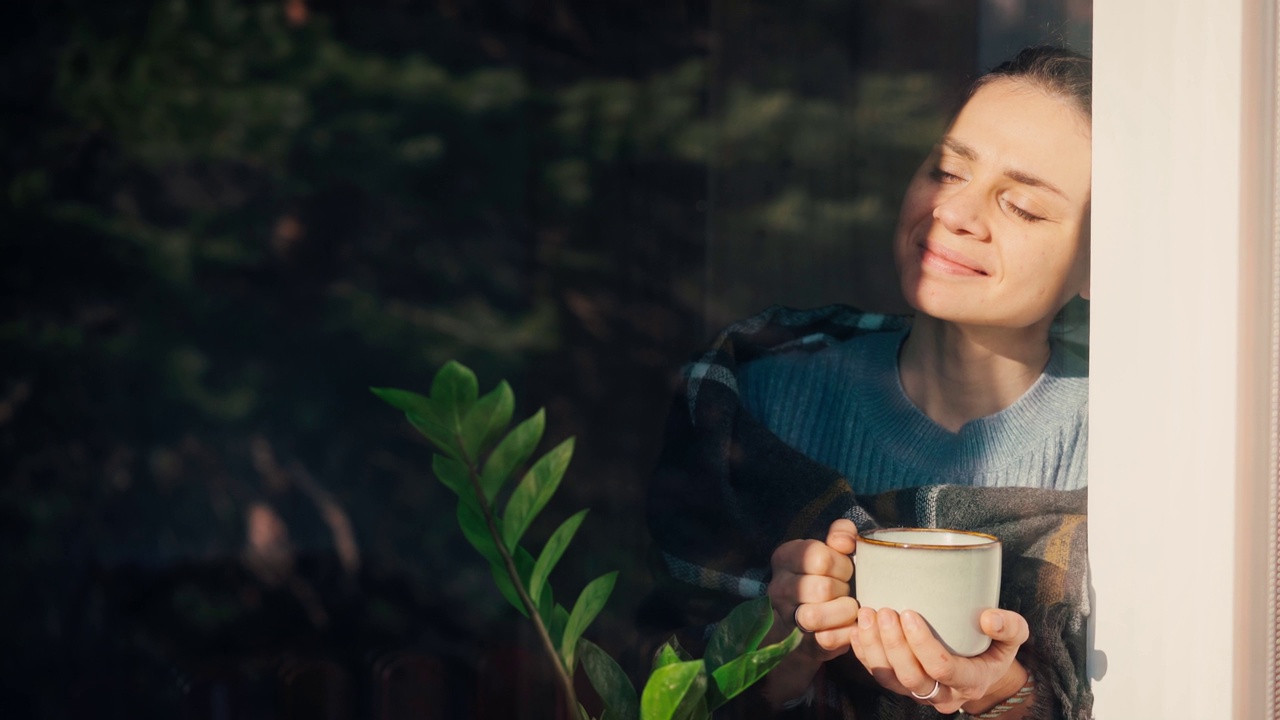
<point x="917" y="204"/>
<point x="1044" y="276"/>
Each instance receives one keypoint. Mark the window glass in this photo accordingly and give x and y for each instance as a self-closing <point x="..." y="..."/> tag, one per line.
<point x="228" y="219"/>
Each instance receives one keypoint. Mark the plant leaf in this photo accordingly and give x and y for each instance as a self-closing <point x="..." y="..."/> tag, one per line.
<point x="546" y="603"/>
<point x="422" y="415"/>
<point x="609" y="680"/>
<point x="555" y="628"/>
<point x="505" y="586"/>
<point x="485" y="421"/>
<point x="476" y="531"/>
<point x="453" y="392"/>
<point x="511" y="453"/>
<point x="551" y="552"/>
<point x="674" y="691"/>
<point x="404" y="400"/>
<point x="444" y="440"/>
<point x="740" y="632"/>
<point x="670" y="653"/>
<point x="589" y="604"/>
<point x="740" y="673"/>
<point x="455" y="475"/>
<point x="534" y="491"/>
<point x="524" y="562"/>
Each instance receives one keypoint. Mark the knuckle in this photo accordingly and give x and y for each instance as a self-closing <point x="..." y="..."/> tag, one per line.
<point x="830" y="640"/>
<point x="833" y="588"/>
<point x="775" y="592"/>
<point x="817" y="559"/>
<point x="782" y="554"/>
<point x="846" y="608"/>
<point x="911" y="678"/>
<point x="815" y="589"/>
<point x="804" y="614"/>
<point x="890" y="641"/>
<point x="943" y="669"/>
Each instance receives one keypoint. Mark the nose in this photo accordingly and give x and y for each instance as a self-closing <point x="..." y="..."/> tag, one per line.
<point x="960" y="212"/>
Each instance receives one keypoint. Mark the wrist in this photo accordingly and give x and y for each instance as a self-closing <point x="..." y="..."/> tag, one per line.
<point x="1014" y="680"/>
<point x="790" y="682"/>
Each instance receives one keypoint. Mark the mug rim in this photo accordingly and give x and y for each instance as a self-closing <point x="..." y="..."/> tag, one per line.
<point x="994" y="541"/>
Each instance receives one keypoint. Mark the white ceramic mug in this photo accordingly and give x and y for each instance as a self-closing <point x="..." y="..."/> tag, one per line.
<point x="948" y="576"/>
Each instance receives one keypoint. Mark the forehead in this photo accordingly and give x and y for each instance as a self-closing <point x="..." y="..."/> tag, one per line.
<point x="1018" y="128"/>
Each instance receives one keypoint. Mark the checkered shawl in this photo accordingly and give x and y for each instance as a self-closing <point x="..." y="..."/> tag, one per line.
<point x="727" y="492"/>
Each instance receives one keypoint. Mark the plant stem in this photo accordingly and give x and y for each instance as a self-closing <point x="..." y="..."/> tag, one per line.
<point x="562" y="673"/>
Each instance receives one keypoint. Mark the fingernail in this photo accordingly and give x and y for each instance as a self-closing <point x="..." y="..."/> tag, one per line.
<point x="997" y="623"/>
<point x="886" y="620"/>
<point x="864" y="619"/>
<point x="909" y="621"/>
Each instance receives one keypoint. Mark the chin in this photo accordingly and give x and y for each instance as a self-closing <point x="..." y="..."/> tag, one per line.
<point x="927" y="299"/>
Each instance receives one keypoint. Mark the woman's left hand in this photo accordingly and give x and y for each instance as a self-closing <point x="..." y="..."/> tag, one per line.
<point x="903" y="655"/>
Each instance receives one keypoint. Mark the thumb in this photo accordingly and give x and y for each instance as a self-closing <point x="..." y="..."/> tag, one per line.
<point x="842" y="536"/>
<point x="1005" y="626"/>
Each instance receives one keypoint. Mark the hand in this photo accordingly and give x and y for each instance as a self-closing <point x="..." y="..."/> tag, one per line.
<point x="814" y="577"/>
<point x="902" y="654"/>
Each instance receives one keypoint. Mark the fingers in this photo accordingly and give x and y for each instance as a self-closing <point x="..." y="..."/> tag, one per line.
<point x="842" y="536"/>
<point x="825" y="626"/>
<point x="830" y="622"/>
<point x="899" y="653"/>
<point x="810" y="586"/>
<point x="865" y="640"/>
<point x="811" y="557"/>
<point x="882" y="644"/>
<point x="965" y="678"/>
<point x="903" y="655"/>
<point x="931" y="655"/>
<point x="813" y="593"/>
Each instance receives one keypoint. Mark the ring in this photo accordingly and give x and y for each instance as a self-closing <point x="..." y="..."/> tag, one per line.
<point x="795" y="619"/>
<point x="932" y="693"/>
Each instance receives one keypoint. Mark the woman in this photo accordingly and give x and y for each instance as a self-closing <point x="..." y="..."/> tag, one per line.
<point x="967" y="415"/>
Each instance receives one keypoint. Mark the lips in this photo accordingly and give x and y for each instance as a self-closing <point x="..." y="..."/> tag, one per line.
<point x="949" y="261"/>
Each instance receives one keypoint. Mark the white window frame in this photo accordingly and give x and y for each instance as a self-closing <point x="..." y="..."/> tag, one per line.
<point x="1182" y="406"/>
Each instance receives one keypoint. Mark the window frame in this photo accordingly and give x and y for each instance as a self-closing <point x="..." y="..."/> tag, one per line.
<point x="1183" y="362"/>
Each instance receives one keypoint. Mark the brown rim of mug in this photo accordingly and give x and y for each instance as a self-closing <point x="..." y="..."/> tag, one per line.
<point x="886" y="543"/>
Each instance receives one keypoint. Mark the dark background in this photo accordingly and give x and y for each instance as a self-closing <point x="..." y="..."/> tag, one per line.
<point x="224" y="220"/>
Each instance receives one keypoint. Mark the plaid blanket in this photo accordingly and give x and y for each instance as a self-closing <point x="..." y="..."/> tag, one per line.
<point x="727" y="492"/>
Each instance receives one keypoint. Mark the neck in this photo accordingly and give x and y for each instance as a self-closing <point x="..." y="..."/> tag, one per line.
<point x="956" y="374"/>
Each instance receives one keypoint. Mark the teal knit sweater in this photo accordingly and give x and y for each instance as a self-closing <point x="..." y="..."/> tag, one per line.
<point x="844" y="407"/>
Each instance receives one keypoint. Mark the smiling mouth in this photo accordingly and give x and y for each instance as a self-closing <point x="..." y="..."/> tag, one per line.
<point x="949" y="262"/>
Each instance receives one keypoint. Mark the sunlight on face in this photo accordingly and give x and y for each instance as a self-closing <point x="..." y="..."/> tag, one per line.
<point x="994" y="226"/>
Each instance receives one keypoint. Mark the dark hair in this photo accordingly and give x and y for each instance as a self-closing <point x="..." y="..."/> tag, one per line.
<point x="1056" y="71"/>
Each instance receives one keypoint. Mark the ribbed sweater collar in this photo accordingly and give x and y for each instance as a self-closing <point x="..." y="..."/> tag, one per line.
<point x="906" y="432"/>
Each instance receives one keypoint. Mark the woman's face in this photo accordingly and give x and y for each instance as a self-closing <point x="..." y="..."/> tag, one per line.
<point x="994" y="227"/>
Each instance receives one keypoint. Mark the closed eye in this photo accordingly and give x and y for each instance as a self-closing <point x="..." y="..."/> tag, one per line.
<point x="1019" y="212"/>
<point x="942" y="176"/>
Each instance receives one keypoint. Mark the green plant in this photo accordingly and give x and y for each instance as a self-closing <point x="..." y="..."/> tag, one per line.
<point x="477" y="457"/>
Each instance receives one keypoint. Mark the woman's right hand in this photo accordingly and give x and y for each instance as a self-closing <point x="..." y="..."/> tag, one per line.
<point x="814" y="576"/>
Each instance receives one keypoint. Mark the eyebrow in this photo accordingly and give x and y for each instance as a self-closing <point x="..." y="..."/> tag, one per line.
<point x="970" y="154"/>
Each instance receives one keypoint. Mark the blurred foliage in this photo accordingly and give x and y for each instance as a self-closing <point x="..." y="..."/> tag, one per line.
<point x="224" y="219"/>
